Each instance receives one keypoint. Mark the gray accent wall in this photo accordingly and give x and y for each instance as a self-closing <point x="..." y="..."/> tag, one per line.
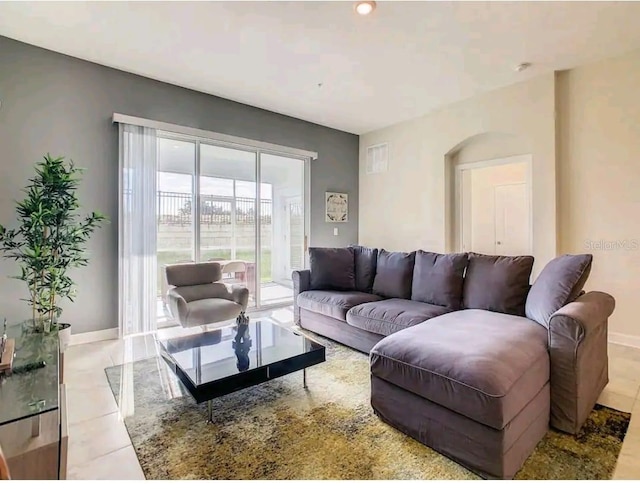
<point x="62" y="105"/>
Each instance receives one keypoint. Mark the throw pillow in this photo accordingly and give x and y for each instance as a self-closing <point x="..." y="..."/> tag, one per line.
<point x="438" y="279"/>
<point x="365" y="263"/>
<point x="394" y="273"/>
<point x="332" y="268"/>
<point x="497" y="283"/>
<point x="559" y="283"/>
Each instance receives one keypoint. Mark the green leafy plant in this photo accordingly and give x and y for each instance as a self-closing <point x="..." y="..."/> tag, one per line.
<point x="50" y="238"/>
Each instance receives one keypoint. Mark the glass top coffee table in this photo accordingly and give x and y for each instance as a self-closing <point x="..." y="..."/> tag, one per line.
<point x="214" y="363"/>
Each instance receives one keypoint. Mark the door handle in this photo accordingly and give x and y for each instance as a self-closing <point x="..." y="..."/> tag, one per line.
<point x="498" y="242"/>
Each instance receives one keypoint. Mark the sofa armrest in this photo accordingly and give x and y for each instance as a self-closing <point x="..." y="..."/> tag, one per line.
<point x="177" y="304"/>
<point x="578" y="358"/>
<point x="240" y="295"/>
<point x="580" y="319"/>
<point x="301" y="282"/>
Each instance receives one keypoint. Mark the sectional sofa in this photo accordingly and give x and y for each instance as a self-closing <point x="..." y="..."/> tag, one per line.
<point x="466" y="356"/>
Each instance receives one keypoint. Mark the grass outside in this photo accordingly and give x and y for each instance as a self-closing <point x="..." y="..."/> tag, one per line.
<point x="170" y="257"/>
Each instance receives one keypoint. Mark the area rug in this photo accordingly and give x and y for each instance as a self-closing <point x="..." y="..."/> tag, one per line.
<point x="278" y="430"/>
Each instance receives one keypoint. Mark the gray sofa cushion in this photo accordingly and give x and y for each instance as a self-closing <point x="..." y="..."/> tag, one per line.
<point x="438" y="279"/>
<point x="333" y="303"/>
<point x="559" y="283"/>
<point x="497" y="283"/>
<point x="332" y="268"/>
<point x="394" y="273"/>
<point x="391" y="315"/>
<point x="484" y="365"/>
<point x="365" y="264"/>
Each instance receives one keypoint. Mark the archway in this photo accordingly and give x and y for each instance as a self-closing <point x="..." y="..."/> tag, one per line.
<point x="480" y="147"/>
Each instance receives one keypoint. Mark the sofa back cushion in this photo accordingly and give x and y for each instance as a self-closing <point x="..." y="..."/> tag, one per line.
<point x="186" y="274"/>
<point x="497" y="283"/>
<point x="394" y="273"/>
<point x="559" y="283"/>
<point x="438" y="279"/>
<point x="332" y="269"/>
<point x="365" y="263"/>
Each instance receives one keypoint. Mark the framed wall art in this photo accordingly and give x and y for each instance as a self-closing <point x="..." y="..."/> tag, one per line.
<point x="337" y="207"/>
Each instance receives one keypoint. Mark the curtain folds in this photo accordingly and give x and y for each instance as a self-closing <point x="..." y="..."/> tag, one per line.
<point x="137" y="230"/>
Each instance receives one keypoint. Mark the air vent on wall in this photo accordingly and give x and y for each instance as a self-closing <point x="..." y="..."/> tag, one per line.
<point x="377" y="158"/>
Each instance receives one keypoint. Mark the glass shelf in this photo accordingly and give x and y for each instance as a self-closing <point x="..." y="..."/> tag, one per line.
<point x="36" y="392"/>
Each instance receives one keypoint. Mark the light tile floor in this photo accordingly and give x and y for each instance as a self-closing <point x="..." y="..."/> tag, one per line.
<point x="100" y="448"/>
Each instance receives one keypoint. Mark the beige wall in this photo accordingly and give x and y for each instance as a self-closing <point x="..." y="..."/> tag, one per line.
<point x="595" y="147"/>
<point x="599" y="178"/>
<point x="410" y="206"/>
<point x="489" y="146"/>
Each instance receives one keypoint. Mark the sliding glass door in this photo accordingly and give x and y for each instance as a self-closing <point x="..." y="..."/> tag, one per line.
<point x="222" y="203"/>
<point x="282" y="225"/>
<point x="227" y="224"/>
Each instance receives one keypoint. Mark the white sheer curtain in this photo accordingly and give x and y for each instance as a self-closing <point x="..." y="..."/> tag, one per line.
<point x="137" y="230"/>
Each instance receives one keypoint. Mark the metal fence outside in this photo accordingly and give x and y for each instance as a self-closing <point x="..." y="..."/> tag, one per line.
<point x="176" y="208"/>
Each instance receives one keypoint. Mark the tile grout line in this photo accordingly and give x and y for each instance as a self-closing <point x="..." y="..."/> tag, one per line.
<point x="101" y="371"/>
<point x="91" y="460"/>
<point x="73" y="422"/>
<point x="93" y="418"/>
<point x="98" y="417"/>
<point x="626" y="440"/>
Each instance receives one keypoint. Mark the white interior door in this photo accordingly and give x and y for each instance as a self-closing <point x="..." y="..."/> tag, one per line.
<point x="494" y="207"/>
<point x="511" y="219"/>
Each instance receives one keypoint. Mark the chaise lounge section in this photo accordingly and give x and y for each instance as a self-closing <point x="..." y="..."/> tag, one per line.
<point x="466" y="356"/>
<point x="495" y="385"/>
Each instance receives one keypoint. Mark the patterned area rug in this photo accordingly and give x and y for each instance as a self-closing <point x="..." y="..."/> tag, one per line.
<point x="278" y="430"/>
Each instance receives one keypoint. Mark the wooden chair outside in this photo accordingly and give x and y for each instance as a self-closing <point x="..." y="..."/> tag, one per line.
<point x="234" y="272"/>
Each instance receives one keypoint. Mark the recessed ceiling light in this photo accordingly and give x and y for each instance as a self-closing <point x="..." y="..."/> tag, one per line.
<point x="365" y="8"/>
<point x="521" y="67"/>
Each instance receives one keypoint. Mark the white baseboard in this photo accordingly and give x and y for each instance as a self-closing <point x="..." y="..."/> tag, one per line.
<point x="624" y="339"/>
<point x="92" y="336"/>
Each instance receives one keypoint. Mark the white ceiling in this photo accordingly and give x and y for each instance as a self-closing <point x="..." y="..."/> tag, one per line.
<point x="402" y="61"/>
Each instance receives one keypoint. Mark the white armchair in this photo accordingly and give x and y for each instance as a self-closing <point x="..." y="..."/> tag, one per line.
<point x="196" y="297"/>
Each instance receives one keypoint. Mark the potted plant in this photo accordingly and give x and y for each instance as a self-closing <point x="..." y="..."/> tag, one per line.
<point x="49" y="240"/>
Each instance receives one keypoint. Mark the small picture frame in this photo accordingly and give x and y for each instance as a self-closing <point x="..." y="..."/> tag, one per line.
<point x="336" y="207"/>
